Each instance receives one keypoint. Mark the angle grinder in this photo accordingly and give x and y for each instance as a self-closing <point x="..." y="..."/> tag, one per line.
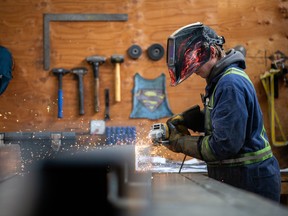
<point x="192" y="118"/>
<point x="159" y="133"/>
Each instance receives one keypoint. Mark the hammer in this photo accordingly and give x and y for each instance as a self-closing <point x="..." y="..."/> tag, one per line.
<point x="117" y="60"/>
<point x="95" y="61"/>
<point x="107" y="105"/>
<point x="60" y="72"/>
<point x="80" y="72"/>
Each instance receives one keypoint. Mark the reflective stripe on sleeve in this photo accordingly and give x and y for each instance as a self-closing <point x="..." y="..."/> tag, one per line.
<point x="206" y="151"/>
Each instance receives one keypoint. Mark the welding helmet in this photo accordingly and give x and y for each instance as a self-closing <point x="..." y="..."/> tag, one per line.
<point x="188" y="48"/>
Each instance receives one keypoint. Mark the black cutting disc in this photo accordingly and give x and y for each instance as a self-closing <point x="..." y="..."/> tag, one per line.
<point x="134" y="51"/>
<point x="155" y="52"/>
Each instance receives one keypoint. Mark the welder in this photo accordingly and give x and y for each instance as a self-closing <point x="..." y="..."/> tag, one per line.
<point x="232" y="139"/>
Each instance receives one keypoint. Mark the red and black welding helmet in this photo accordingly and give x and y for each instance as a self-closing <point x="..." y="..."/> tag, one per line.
<point x="188" y="48"/>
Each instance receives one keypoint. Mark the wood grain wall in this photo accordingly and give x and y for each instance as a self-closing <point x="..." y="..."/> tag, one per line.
<point x="30" y="101"/>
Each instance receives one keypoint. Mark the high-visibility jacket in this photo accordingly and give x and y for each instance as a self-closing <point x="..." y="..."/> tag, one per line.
<point x="235" y="145"/>
<point x="234" y="124"/>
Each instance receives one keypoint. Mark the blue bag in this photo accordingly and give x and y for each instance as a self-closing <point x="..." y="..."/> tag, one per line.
<point x="6" y="67"/>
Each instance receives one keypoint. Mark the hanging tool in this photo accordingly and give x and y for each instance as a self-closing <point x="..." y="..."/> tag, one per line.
<point x="117" y="60"/>
<point x="267" y="80"/>
<point x="155" y="52"/>
<point x="278" y="62"/>
<point x="96" y="61"/>
<point x="47" y="18"/>
<point x="107" y="98"/>
<point x="60" y="72"/>
<point x="134" y="51"/>
<point x="80" y="72"/>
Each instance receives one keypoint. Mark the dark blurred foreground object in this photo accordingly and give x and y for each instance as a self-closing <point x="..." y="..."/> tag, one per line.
<point x="10" y="160"/>
<point x="36" y="146"/>
<point x="6" y="67"/>
<point x="104" y="181"/>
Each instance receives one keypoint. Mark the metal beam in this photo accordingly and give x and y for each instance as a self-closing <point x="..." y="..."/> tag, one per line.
<point x="47" y="18"/>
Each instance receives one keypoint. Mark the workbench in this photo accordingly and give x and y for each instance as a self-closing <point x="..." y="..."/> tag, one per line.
<point x="196" y="194"/>
<point x="172" y="194"/>
<point x="162" y="192"/>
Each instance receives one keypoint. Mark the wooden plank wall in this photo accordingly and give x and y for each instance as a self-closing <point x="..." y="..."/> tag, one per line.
<point x="30" y="102"/>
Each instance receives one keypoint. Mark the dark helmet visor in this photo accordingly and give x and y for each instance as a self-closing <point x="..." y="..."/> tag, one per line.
<point x="188" y="49"/>
<point x="184" y="57"/>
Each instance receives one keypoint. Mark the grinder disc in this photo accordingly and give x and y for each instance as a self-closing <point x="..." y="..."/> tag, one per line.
<point x="155" y="52"/>
<point x="134" y="51"/>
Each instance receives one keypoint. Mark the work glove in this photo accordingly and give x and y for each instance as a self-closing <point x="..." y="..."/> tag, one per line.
<point x="193" y="118"/>
<point x="180" y="142"/>
<point x="178" y="121"/>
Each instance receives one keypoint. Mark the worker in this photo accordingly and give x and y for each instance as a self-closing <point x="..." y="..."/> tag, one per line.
<point x="232" y="139"/>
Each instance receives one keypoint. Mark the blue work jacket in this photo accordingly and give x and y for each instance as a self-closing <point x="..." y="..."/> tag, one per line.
<point x="234" y="131"/>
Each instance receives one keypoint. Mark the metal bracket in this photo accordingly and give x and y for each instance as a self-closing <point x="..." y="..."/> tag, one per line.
<point x="72" y="18"/>
<point x="56" y="141"/>
<point x="1" y="138"/>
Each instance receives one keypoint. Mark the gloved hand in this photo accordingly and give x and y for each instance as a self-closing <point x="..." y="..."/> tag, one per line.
<point x="174" y="135"/>
<point x="183" y="143"/>
<point x="192" y="118"/>
<point x="178" y="121"/>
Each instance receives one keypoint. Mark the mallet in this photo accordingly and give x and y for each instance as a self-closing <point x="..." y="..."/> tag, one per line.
<point x="117" y="60"/>
<point x="60" y="72"/>
<point x="80" y="72"/>
<point x="95" y="61"/>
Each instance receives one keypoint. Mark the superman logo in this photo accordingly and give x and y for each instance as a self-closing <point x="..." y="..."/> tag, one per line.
<point x="151" y="98"/>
